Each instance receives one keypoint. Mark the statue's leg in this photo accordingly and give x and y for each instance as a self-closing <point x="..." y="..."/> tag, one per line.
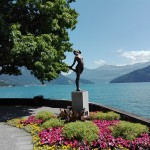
<point x="73" y="70"/>
<point x="77" y="81"/>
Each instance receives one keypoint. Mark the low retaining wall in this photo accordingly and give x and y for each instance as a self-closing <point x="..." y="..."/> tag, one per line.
<point x="40" y="101"/>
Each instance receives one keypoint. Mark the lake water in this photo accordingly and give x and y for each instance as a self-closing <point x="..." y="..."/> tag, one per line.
<point x="130" y="97"/>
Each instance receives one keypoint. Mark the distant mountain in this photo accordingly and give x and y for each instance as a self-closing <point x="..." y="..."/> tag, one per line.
<point x="102" y="74"/>
<point x="84" y="81"/>
<point x="62" y="80"/>
<point x="27" y="79"/>
<point x="106" y="73"/>
<point x="140" y="75"/>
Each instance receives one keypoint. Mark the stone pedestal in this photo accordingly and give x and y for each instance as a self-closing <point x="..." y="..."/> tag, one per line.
<point x="80" y="101"/>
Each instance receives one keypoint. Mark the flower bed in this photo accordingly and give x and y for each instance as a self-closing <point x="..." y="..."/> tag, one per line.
<point x="93" y="134"/>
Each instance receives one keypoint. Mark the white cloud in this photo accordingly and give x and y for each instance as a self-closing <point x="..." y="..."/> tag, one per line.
<point x="135" y="56"/>
<point x="100" y="62"/>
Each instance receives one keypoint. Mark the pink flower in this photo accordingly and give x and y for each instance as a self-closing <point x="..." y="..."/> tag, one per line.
<point x="31" y="120"/>
<point x="53" y="136"/>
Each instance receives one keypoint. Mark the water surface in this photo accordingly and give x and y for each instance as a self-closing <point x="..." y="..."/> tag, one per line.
<point x="131" y="97"/>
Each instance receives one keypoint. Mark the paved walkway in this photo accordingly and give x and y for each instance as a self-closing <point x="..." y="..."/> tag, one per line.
<point x="12" y="138"/>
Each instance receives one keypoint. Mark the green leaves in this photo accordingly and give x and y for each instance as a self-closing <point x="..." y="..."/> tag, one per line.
<point x="129" y="130"/>
<point x="45" y="115"/>
<point x="51" y="123"/>
<point x="104" y="116"/>
<point x="35" y="35"/>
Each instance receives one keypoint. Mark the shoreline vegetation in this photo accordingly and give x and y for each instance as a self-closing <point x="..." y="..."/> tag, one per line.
<point x="71" y="130"/>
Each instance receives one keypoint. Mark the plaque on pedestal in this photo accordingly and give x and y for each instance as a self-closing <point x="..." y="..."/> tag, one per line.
<point x="80" y="101"/>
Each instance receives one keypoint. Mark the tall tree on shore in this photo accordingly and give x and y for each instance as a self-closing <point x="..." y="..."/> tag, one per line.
<point x="34" y="34"/>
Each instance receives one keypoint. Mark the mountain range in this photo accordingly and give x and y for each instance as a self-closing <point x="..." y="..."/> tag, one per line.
<point x="140" y="75"/>
<point x="106" y="73"/>
<point x="102" y="74"/>
<point x="27" y="79"/>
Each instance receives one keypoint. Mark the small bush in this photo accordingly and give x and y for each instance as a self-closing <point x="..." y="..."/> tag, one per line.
<point x="70" y="116"/>
<point x="81" y="131"/>
<point x="128" y="130"/>
<point x="45" y="115"/>
<point x="53" y="122"/>
<point x="104" y="116"/>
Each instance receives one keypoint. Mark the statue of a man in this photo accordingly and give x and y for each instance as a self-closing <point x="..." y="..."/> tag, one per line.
<point x="79" y="68"/>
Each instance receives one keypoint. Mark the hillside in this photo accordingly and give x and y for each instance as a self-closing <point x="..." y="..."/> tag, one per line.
<point x="140" y="75"/>
<point x="103" y="74"/>
<point x="27" y="79"/>
<point x="2" y="83"/>
<point x="106" y="73"/>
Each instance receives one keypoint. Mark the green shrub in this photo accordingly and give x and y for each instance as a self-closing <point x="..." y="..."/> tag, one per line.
<point x="104" y="116"/>
<point x="128" y="130"/>
<point x="81" y="131"/>
<point x="53" y="122"/>
<point x="45" y="115"/>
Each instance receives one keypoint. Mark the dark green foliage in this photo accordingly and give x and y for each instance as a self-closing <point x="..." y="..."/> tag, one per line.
<point x="53" y="122"/>
<point x="81" y="131"/>
<point x="104" y="116"/>
<point x="45" y="115"/>
<point x="129" y="130"/>
<point x="34" y="33"/>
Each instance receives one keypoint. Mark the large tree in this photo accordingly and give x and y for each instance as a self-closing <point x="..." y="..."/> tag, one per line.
<point x="34" y="34"/>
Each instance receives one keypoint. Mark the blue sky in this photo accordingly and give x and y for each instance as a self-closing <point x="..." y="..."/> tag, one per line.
<point x="115" y="32"/>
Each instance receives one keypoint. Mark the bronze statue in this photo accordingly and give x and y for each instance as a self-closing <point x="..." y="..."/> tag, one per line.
<point x="79" y="68"/>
